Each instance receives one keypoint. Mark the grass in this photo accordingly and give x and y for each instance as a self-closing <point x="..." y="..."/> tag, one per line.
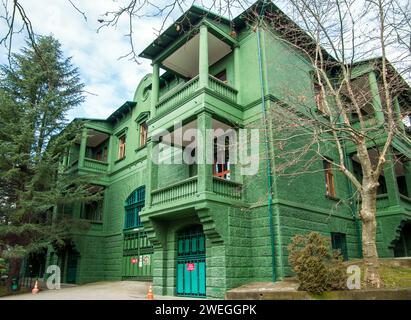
<point x="395" y="277"/>
<point x="391" y="276"/>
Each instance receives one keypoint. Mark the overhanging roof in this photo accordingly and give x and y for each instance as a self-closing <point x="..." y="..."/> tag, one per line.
<point x="125" y="108"/>
<point x="185" y="22"/>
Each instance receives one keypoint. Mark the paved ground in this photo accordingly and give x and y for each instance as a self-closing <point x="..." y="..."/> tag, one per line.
<point x="119" y="290"/>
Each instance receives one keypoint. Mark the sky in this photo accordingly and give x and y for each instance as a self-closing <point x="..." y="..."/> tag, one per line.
<point x="109" y="81"/>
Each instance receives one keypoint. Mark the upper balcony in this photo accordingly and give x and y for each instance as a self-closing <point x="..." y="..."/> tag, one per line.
<point x="90" y="154"/>
<point x="190" y="89"/>
<point x="205" y="59"/>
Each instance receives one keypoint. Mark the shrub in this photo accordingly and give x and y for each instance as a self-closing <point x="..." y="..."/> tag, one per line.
<point x="317" y="268"/>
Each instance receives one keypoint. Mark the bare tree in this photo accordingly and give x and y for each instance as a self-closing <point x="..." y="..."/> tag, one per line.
<point x="338" y="114"/>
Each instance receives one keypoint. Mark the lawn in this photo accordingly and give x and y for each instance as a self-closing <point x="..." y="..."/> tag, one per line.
<point x="392" y="276"/>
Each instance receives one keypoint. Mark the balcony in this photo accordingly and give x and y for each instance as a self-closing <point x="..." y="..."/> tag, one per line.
<point x="383" y="201"/>
<point x="181" y="190"/>
<point x="227" y="188"/>
<point x="405" y="202"/>
<point x="90" y="154"/>
<point x="95" y="165"/>
<point x="188" y="188"/>
<point x="186" y="91"/>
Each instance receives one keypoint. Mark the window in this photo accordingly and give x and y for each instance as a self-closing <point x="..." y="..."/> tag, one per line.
<point x="92" y="211"/>
<point x="143" y="134"/>
<point x="122" y="146"/>
<point x="339" y="242"/>
<point x="134" y="204"/>
<point x="320" y="99"/>
<point x="329" y="178"/>
<point x="221" y="167"/>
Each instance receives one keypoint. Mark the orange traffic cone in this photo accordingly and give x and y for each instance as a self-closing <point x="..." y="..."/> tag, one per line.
<point x="150" y="295"/>
<point x="35" y="289"/>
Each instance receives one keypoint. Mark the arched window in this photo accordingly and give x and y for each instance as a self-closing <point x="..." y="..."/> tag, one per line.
<point x="133" y="206"/>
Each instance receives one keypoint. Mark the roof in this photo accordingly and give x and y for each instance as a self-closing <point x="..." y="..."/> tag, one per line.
<point x="191" y="17"/>
<point x="125" y="108"/>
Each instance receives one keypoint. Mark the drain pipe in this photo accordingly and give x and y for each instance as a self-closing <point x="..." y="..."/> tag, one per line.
<point x="267" y="153"/>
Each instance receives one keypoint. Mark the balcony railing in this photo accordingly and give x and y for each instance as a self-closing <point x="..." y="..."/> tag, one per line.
<point x="95" y="165"/>
<point x="227" y="188"/>
<point x="177" y="95"/>
<point x="405" y="201"/>
<point x="383" y="201"/>
<point x="181" y="93"/>
<point x="222" y="88"/>
<point x="177" y="191"/>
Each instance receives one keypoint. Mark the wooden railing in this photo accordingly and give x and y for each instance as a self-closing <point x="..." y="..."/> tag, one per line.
<point x="177" y="191"/>
<point x="95" y="165"/>
<point x="227" y="188"/>
<point x="222" y="88"/>
<point x="183" y="92"/>
<point x="383" y="201"/>
<point x="370" y="121"/>
<point x="405" y="201"/>
<point x="177" y="95"/>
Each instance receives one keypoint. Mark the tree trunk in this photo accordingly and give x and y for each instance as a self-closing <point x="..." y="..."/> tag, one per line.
<point x="369" y="228"/>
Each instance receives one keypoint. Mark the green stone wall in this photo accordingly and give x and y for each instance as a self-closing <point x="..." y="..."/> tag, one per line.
<point x="238" y="237"/>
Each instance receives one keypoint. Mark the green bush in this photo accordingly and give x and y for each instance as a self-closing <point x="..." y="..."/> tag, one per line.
<point x="317" y="268"/>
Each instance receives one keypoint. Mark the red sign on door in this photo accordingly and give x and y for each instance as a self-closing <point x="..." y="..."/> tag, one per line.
<point x="133" y="260"/>
<point x="190" y="266"/>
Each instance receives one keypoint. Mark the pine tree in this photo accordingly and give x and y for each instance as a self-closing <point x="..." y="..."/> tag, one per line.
<point x="37" y="89"/>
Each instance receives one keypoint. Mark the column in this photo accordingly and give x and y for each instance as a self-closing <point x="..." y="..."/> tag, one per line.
<point x="391" y="180"/>
<point x="110" y="150"/>
<point x="83" y="146"/>
<point x="375" y="96"/>
<point x="204" y="152"/>
<point x="397" y="114"/>
<point x="203" y="57"/>
<point x="155" y="85"/>
<point x="407" y="167"/>
<point x="237" y="72"/>
<point x="152" y="169"/>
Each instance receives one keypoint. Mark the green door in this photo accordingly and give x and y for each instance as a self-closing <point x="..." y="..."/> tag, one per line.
<point x="72" y="260"/>
<point x="191" y="263"/>
<point x="137" y="257"/>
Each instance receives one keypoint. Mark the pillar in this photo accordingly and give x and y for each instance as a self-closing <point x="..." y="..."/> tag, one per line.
<point x="391" y="180"/>
<point x="110" y="149"/>
<point x="204" y="152"/>
<point x="155" y="87"/>
<point x="375" y="96"/>
<point x="83" y="146"/>
<point x="397" y="112"/>
<point x="152" y="169"/>
<point x="237" y="71"/>
<point x="407" y="167"/>
<point x="203" y="57"/>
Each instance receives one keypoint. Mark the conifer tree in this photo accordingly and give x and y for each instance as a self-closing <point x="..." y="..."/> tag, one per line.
<point x="37" y="89"/>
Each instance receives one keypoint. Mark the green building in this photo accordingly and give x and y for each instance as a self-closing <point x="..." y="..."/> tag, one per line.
<point x="201" y="229"/>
